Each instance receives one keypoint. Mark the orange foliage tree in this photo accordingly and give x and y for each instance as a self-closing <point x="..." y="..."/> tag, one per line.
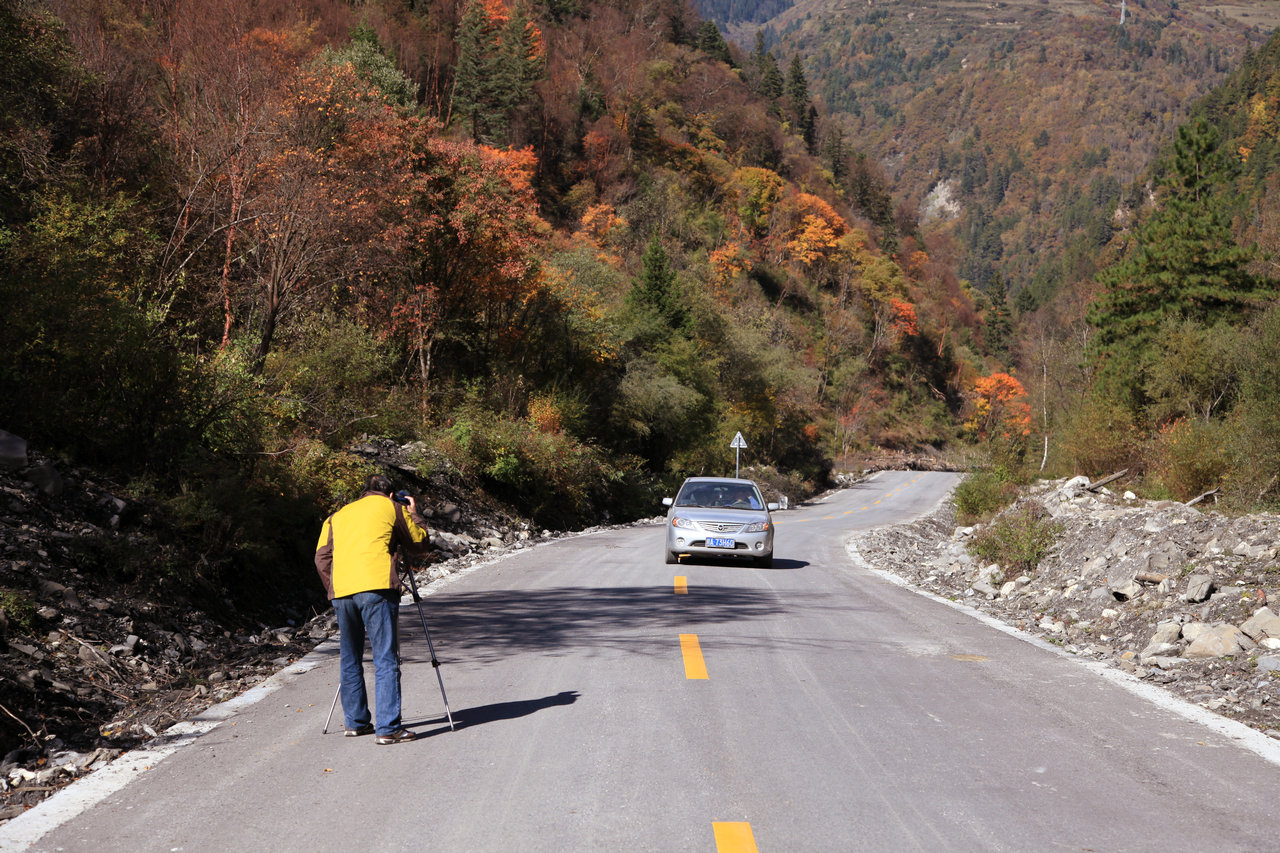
<point x="998" y="406"/>
<point x="469" y="239"/>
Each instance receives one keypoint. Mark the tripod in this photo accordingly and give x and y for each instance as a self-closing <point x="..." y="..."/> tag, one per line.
<point x="406" y="581"/>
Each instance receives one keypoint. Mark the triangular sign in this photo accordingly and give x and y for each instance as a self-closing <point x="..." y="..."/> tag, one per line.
<point x="738" y="441"/>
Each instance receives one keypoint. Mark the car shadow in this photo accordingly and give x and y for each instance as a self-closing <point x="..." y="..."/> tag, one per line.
<point x="778" y="563"/>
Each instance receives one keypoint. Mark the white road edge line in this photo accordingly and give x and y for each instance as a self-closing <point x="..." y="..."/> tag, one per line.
<point x="1249" y="738"/>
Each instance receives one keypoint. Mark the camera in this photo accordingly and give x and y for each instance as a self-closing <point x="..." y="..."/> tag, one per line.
<point x="401" y="497"/>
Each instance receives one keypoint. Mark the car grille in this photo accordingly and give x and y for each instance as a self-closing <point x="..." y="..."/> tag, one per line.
<point x="720" y="526"/>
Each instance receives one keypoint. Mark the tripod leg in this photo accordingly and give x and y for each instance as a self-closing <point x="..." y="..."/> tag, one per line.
<point x="336" y="694"/>
<point x="435" y="664"/>
<point x="407" y="581"/>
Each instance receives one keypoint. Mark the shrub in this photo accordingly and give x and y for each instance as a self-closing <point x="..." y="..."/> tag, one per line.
<point x="1018" y="538"/>
<point x="1188" y="458"/>
<point x="981" y="495"/>
<point x="552" y="476"/>
<point x="18" y="611"/>
<point x="1102" y="437"/>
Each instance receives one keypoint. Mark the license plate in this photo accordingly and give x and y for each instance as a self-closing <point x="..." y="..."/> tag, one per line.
<point x="713" y="542"/>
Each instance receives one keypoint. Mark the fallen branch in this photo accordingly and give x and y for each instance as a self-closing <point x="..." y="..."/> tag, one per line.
<point x="1093" y="487"/>
<point x="34" y="737"/>
<point x="1150" y="577"/>
<point x="1199" y="498"/>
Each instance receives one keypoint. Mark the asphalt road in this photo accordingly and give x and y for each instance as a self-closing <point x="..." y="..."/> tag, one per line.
<point x="605" y="701"/>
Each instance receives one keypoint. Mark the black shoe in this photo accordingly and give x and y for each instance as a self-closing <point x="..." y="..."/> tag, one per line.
<point x="366" y="729"/>
<point x="398" y="736"/>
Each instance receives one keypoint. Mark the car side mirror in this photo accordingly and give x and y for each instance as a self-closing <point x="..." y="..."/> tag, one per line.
<point x="666" y="501"/>
<point x="774" y="507"/>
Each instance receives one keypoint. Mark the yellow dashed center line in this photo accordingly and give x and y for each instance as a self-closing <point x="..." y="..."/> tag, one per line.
<point x="694" y="667"/>
<point x="682" y="585"/>
<point x="734" y="837"/>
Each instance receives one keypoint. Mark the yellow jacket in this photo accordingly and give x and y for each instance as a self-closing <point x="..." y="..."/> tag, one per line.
<point x="358" y="543"/>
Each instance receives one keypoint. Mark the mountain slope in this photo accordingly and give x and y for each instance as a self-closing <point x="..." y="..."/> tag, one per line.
<point x="1017" y="126"/>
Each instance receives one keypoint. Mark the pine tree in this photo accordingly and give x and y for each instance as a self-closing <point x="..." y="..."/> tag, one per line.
<point x="657" y="289"/>
<point x="769" y="81"/>
<point x="711" y="42"/>
<point x="1185" y="263"/>
<point x="478" y="44"/>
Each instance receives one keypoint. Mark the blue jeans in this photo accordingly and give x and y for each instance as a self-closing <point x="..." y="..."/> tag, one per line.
<point x="373" y="614"/>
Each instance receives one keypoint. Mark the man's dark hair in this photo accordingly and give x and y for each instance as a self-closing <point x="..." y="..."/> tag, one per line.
<point x="377" y="483"/>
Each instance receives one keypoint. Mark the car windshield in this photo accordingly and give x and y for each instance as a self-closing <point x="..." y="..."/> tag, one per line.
<point x="724" y="495"/>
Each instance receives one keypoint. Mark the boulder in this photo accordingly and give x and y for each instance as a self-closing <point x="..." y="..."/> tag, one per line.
<point x="1262" y="624"/>
<point x="1167" y="632"/>
<point x="1126" y="591"/>
<point x="13" y="451"/>
<point x="1199" y="588"/>
<point x="1219" y="641"/>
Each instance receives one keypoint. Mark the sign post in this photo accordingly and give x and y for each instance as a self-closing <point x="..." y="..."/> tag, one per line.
<point x="737" y="444"/>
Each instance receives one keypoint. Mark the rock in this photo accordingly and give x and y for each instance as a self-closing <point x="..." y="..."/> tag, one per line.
<point x="991" y="574"/>
<point x="1155" y="649"/>
<point x="13" y="451"/>
<point x="1218" y="641"/>
<point x="1126" y="591"/>
<point x="1167" y="632"/>
<point x="1268" y="663"/>
<point x="47" y="479"/>
<point x="1262" y="624"/>
<point x="984" y="588"/>
<point x="1199" y="588"/>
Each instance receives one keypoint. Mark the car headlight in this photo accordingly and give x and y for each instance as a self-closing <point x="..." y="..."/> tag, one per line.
<point x="685" y="523"/>
<point x="756" y="527"/>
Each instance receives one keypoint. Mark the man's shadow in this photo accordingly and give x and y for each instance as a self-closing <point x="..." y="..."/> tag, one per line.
<point x="498" y="711"/>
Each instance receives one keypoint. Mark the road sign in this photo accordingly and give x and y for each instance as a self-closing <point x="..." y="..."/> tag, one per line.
<point x="738" y="442"/>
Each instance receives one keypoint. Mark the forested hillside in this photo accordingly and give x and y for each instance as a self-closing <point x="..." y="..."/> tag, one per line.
<point x="1104" y="187"/>
<point x="1016" y="128"/>
<point x="567" y="249"/>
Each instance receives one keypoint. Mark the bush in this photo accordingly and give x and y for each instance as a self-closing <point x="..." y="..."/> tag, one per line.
<point x="1018" y="538"/>
<point x="552" y="476"/>
<point x="1102" y="437"/>
<point x="1188" y="458"/>
<point x="981" y="495"/>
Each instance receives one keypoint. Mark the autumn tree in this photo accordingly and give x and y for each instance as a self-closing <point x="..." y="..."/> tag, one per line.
<point x="998" y="407"/>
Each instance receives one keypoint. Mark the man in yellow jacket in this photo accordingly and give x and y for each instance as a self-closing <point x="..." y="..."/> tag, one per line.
<point x="356" y="559"/>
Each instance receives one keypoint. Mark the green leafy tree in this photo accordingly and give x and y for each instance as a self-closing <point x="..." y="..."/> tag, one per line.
<point x="371" y="63"/>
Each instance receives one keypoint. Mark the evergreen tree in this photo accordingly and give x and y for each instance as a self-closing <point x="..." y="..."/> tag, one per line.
<point x="478" y="44"/>
<point x="797" y="87"/>
<point x="836" y="152"/>
<point x="769" y="82"/>
<point x="711" y="42"/>
<point x="498" y="64"/>
<point x="1185" y="262"/>
<point x="997" y="325"/>
<point x="657" y="289"/>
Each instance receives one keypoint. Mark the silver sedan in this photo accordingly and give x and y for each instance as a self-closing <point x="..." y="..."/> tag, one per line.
<point x="719" y="517"/>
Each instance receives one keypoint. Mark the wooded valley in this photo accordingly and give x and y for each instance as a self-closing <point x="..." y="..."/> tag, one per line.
<point x="570" y="248"/>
